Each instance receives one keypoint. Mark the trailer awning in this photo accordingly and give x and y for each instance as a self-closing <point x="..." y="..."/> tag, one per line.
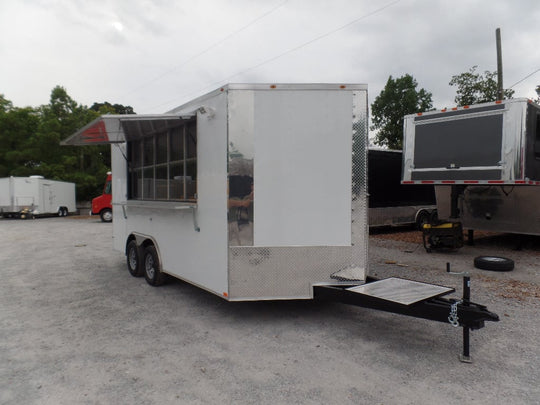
<point x="120" y="128"/>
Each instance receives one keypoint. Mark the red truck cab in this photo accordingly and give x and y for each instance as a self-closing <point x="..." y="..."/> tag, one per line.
<point x="101" y="205"/>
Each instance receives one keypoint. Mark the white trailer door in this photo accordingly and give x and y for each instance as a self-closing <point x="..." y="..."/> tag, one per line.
<point x="303" y="168"/>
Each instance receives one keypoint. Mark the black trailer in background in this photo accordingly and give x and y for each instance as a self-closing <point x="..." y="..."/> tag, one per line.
<point x="390" y="202"/>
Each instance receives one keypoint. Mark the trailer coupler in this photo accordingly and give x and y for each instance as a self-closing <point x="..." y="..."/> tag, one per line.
<point x="464" y="313"/>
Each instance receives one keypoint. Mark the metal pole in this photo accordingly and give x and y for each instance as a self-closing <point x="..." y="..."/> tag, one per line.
<point x="500" y="91"/>
<point x="466" y="290"/>
<point x="466" y="356"/>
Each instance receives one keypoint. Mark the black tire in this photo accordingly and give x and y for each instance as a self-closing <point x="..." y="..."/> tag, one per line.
<point x="421" y="219"/>
<point x="433" y="217"/>
<point x="133" y="258"/>
<point x="106" y="215"/>
<point x="65" y="212"/>
<point x="61" y="212"/>
<point x="493" y="263"/>
<point x="152" y="267"/>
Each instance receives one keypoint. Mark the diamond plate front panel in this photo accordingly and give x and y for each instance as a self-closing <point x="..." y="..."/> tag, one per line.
<point x="283" y="272"/>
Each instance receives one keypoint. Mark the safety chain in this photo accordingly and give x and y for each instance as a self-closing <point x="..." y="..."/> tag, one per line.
<point x="453" y="318"/>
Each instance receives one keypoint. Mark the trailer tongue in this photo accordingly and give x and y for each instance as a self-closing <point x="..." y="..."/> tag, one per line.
<point x="416" y="299"/>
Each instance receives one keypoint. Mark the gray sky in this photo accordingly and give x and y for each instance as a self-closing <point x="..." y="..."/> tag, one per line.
<point x="157" y="54"/>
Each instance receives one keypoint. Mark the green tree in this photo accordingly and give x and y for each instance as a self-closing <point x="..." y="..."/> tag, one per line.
<point x="398" y="98"/>
<point x="17" y="125"/>
<point x="538" y="94"/>
<point x="5" y="105"/>
<point x="108" y="108"/>
<point x="475" y="88"/>
<point x="59" y="119"/>
<point x="30" y="142"/>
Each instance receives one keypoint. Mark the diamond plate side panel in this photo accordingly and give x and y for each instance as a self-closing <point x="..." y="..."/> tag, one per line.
<point x="359" y="226"/>
<point x="283" y="272"/>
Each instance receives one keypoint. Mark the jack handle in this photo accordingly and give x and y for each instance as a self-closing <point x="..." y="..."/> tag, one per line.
<point x="465" y="357"/>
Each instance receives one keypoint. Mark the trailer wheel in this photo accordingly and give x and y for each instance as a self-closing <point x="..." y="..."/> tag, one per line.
<point x="421" y="219"/>
<point x="133" y="254"/>
<point x="61" y="212"/>
<point x="152" y="268"/>
<point x="106" y="215"/>
<point x="494" y="263"/>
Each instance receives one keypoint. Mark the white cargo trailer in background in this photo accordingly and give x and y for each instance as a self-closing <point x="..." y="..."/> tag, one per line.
<point x="484" y="161"/>
<point x="26" y="197"/>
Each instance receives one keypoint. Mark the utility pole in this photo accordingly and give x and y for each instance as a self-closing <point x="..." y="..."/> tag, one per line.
<point x="500" y="91"/>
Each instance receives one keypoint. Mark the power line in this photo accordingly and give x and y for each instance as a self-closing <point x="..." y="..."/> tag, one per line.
<point x="217" y="83"/>
<point x="214" y="45"/>
<point x="525" y="78"/>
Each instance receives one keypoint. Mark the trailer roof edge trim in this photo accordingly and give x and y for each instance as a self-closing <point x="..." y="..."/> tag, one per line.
<point x="419" y="116"/>
<point x="272" y="87"/>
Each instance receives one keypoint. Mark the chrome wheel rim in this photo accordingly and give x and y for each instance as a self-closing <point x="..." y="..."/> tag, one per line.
<point x="132" y="259"/>
<point x="149" y="266"/>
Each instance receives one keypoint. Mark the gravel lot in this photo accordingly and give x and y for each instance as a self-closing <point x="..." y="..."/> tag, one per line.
<point x="76" y="328"/>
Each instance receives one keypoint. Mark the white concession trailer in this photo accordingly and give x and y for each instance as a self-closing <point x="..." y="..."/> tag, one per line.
<point x="249" y="192"/>
<point x="26" y="197"/>
<point x="484" y="161"/>
<point x="257" y="192"/>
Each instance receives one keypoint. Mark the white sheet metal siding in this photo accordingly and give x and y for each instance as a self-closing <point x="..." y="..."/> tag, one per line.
<point x="303" y="168"/>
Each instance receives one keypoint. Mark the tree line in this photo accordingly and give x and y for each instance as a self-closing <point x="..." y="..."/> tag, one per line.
<point x="30" y="137"/>
<point x="30" y="142"/>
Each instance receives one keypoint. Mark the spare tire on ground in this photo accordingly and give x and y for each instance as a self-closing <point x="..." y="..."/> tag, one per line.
<point x="493" y="263"/>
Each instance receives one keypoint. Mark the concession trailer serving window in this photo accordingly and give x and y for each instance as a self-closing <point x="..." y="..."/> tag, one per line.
<point x="162" y="161"/>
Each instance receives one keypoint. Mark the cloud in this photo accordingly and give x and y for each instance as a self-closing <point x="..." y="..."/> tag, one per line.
<point x="155" y="55"/>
